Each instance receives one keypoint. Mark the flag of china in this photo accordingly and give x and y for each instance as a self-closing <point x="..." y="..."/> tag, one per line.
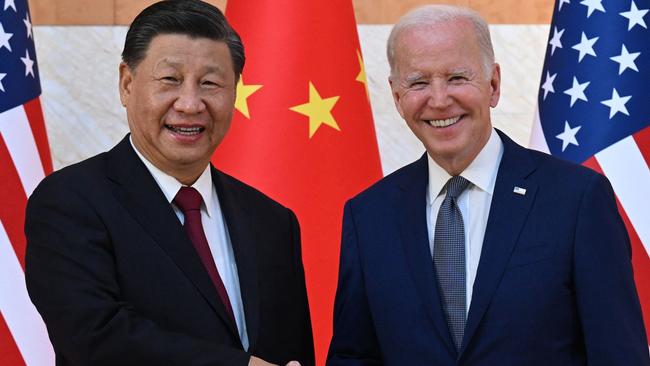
<point x="302" y="131"/>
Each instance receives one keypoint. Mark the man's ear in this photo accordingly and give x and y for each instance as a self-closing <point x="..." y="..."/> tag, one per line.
<point x="125" y="82"/>
<point x="495" y="85"/>
<point x="396" y="96"/>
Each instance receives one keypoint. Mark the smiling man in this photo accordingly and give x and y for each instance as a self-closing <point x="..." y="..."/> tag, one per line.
<point x="481" y="252"/>
<point x="148" y="255"/>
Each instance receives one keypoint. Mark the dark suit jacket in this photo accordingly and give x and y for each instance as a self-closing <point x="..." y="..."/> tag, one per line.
<point x="118" y="282"/>
<point x="554" y="284"/>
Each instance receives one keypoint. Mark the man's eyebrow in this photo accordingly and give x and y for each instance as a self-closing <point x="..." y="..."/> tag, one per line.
<point x="413" y="77"/>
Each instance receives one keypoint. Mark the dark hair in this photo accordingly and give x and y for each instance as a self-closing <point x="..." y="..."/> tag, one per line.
<point x="193" y="18"/>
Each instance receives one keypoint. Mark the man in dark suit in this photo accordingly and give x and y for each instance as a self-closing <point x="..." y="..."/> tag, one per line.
<point x="481" y="252"/>
<point x="148" y="255"/>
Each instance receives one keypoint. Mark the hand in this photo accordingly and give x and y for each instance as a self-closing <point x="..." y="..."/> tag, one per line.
<point x="254" y="361"/>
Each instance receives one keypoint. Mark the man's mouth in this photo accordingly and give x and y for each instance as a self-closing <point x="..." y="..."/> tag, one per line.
<point x="185" y="131"/>
<point x="443" y="122"/>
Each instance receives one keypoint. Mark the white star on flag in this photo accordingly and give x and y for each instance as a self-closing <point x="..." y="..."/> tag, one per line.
<point x="585" y="47"/>
<point x="4" y="38"/>
<point x="559" y="4"/>
<point x="617" y="104"/>
<point x="626" y="60"/>
<point x="2" y="76"/>
<point x="635" y="16"/>
<point x="28" y="24"/>
<point x="593" y="5"/>
<point x="577" y="91"/>
<point x="29" y="64"/>
<point x="10" y="4"/>
<point x="555" y="41"/>
<point x="548" y="84"/>
<point x="569" y="135"/>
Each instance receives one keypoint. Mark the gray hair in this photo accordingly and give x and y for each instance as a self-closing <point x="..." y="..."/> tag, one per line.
<point x="437" y="14"/>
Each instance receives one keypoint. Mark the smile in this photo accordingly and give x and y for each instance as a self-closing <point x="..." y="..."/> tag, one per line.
<point x="185" y="131"/>
<point x="443" y="122"/>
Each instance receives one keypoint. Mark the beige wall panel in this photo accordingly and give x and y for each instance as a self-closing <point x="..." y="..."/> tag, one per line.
<point x="126" y="10"/>
<point x="121" y="12"/>
<point x="388" y="11"/>
<point x="514" y="11"/>
<point x="72" y="12"/>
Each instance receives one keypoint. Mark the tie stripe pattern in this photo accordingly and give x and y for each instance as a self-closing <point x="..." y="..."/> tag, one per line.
<point x="449" y="259"/>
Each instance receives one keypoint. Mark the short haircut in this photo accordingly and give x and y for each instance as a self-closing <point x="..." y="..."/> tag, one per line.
<point x="437" y="14"/>
<point x="193" y="18"/>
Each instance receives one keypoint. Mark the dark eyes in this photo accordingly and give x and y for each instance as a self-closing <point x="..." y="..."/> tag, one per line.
<point x="457" y="78"/>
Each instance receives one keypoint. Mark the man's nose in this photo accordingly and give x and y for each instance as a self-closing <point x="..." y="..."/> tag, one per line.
<point x="189" y="100"/>
<point x="438" y="95"/>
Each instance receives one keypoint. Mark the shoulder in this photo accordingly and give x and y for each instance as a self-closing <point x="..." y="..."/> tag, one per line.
<point x="413" y="176"/>
<point x="245" y="194"/>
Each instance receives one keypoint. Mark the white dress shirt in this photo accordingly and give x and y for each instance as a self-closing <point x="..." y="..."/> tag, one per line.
<point x="215" y="230"/>
<point x="474" y="202"/>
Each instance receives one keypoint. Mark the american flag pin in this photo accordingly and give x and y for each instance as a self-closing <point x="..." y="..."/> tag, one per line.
<point x="519" y="190"/>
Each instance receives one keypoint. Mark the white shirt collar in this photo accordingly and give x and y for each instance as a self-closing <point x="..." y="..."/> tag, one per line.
<point x="170" y="185"/>
<point x="481" y="172"/>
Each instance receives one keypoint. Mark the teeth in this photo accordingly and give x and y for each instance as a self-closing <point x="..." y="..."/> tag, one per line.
<point x="443" y="122"/>
<point x="187" y="131"/>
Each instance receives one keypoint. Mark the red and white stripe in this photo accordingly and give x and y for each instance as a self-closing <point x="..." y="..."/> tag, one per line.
<point x="22" y="169"/>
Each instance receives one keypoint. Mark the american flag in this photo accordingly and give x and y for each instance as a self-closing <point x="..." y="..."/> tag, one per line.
<point x="24" y="161"/>
<point x="594" y="107"/>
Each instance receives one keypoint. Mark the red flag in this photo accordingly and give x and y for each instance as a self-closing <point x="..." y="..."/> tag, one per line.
<point x="24" y="161"/>
<point x="303" y="130"/>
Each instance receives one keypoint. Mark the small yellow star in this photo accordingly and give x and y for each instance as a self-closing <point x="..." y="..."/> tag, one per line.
<point x="243" y="92"/>
<point x="362" y="73"/>
<point x="318" y="110"/>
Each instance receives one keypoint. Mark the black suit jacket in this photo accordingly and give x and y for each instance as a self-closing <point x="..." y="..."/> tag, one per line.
<point x="118" y="282"/>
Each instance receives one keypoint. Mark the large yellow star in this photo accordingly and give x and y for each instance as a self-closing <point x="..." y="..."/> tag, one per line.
<point x="243" y="92"/>
<point x="318" y="110"/>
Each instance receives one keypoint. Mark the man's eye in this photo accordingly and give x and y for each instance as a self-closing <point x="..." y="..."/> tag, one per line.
<point x="169" y="79"/>
<point x="457" y="78"/>
<point x="209" y="83"/>
<point x="418" y="84"/>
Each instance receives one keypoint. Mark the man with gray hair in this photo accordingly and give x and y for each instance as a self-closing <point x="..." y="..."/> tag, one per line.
<point x="481" y="252"/>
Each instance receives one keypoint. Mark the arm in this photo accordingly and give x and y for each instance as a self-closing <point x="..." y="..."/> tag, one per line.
<point x="354" y="341"/>
<point x="607" y="300"/>
<point x="73" y="281"/>
<point x="306" y="356"/>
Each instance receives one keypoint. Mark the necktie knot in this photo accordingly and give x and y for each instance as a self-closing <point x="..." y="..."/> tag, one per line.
<point x="456" y="185"/>
<point x="188" y="199"/>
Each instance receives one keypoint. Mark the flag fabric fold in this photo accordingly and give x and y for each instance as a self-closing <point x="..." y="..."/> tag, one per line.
<point x="594" y="107"/>
<point x="303" y="131"/>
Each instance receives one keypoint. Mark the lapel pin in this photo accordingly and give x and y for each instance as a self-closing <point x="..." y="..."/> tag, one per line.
<point x="519" y="190"/>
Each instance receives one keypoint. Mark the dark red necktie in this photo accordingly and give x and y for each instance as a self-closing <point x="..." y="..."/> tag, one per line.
<point x="189" y="200"/>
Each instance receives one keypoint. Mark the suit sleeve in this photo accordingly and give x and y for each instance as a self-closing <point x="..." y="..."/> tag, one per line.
<point x="354" y="341"/>
<point x="72" y="280"/>
<point x="608" y="304"/>
<point x="306" y="349"/>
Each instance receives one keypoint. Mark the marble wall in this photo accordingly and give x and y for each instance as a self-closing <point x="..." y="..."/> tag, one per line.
<point x="78" y="70"/>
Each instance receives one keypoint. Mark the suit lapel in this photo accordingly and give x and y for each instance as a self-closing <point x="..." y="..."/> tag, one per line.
<point x="242" y="238"/>
<point x="140" y="195"/>
<point x="411" y="210"/>
<point x="508" y="213"/>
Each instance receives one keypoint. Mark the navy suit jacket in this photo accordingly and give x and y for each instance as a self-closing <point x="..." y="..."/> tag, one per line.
<point x="117" y="281"/>
<point x="554" y="284"/>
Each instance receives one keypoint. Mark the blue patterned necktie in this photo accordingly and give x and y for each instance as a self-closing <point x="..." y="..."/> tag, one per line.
<point x="449" y="259"/>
